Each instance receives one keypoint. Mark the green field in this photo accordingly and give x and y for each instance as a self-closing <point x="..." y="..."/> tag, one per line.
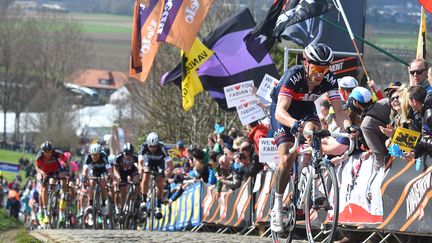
<point x="13" y="157"/>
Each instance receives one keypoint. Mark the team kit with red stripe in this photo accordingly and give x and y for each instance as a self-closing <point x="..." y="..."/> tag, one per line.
<point x="294" y="85"/>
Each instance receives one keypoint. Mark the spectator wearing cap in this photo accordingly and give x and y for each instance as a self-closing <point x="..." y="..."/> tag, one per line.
<point x="418" y="74"/>
<point x="346" y="85"/>
<point x="374" y="115"/>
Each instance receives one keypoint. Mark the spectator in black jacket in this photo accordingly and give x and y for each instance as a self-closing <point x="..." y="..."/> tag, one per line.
<point x="254" y="166"/>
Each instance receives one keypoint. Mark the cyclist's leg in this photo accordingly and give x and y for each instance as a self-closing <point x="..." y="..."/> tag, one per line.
<point x="123" y="188"/>
<point x="135" y="178"/>
<point x="145" y="182"/>
<point x="160" y="192"/>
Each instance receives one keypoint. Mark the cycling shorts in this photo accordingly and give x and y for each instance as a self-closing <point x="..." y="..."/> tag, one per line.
<point x="281" y="133"/>
<point x="125" y="173"/>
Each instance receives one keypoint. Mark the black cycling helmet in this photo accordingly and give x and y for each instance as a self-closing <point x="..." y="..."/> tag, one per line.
<point x="106" y="150"/>
<point x="318" y="54"/>
<point x="128" y="149"/>
<point x="46" y="146"/>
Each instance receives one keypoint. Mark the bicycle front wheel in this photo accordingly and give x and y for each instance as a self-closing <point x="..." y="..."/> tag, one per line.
<point x="322" y="204"/>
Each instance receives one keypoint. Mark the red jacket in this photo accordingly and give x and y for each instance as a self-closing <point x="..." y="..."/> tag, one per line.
<point x="259" y="131"/>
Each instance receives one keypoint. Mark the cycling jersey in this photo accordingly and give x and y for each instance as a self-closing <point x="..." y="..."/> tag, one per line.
<point x="293" y="84"/>
<point x="156" y="159"/>
<point x="52" y="164"/>
<point x="97" y="168"/>
<point x="125" y="166"/>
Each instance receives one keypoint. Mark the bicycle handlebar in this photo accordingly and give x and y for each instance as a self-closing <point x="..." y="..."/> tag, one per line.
<point x="321" y="134"/>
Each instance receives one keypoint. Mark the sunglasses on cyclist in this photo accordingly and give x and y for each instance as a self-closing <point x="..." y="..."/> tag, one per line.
<point x="394" y="98"/>
<point x="318" y="69"/>
<point x="418" y="71"/>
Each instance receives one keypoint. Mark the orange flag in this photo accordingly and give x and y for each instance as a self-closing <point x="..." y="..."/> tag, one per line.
<point x="144" y="33"/>
<point x="181" y="21"/>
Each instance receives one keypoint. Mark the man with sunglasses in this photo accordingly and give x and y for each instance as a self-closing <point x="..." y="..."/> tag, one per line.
<point x="48" y="166"/>
<point x="293" y="108"/>
<point x="153" y="156"/>
<point x="418" y="73"/>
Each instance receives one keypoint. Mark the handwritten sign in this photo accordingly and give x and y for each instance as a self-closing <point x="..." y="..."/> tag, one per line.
<point x="405" y="138"/>
<point x="268" y="152"/>
<point x="266" y="87"/>
<point x="236" y="94"/>
<point x="249" y="111"/>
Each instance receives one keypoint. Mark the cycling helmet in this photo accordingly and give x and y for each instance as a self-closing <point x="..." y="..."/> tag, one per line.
<point x="128" y="149"/>
<point x="152" y="139"/>
<point x="319" y="54"/>
<point x="46" y="146"/>
<point x="95" y="148"/>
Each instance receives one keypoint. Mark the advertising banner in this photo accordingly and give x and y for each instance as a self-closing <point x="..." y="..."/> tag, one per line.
<point x="5" y="166"/>
<point x="406" y="193"/>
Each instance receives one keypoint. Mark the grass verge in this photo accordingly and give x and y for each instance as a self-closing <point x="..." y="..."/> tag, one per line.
<point x="12" y="230"/>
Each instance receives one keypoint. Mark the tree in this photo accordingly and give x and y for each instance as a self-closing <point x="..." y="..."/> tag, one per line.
<point x="60" y="47"/>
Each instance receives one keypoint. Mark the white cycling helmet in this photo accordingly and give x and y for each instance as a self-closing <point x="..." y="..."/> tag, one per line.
<point x="319" y="54"/>
<point x="95" y="148"/>
<point x="152" y="139"/>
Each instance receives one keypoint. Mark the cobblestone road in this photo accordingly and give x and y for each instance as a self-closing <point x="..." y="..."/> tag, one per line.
<point x="94" y="236"/>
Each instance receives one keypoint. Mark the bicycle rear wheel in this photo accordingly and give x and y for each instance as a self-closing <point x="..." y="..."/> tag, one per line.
<point x="322" y="204"/>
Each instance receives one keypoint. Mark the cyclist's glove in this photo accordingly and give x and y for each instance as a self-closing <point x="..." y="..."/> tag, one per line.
<point x="295" y="127"/>
<point x="353" y="129"/>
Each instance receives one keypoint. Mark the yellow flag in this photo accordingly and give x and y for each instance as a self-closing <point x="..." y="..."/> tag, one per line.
<point x="191" y="84"/>
<point x="421" y="43"/>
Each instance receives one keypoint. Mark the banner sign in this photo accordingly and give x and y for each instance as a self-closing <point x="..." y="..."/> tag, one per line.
<point x="268" y="152"/>
<point x="250" y="111"/>
<point x="405" y="138"/>
<point x="406" y="192"/>
<point x="354" y="207"/>
<point x="236" y="94"/>
<point x="262" y="205"/>
<point x="5" y="166"/>
<point x="266" y="87"/>
<point x="232" y="208"/>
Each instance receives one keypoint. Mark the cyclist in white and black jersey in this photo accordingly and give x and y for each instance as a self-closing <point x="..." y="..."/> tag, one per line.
<point x="96" y="165"/>
<point x="153" y="156"/>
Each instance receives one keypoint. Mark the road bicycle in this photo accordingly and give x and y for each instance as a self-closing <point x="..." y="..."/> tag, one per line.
<point x="314" y="191"/>
<point x="130" y="211"/>
<point x="100" y="221"/>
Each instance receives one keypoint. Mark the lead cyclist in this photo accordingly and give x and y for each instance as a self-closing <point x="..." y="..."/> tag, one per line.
<point x="293" y="109"/>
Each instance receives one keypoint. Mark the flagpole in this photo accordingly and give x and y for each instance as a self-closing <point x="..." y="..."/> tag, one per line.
<point x="341" y="10"/>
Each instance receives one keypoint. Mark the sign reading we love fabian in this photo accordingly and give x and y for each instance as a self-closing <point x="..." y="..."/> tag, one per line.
<point x="236" y="94"/>
<point x="268" y="151"/>
<point x="250" y="111"/>
<point x="266" y="87"/>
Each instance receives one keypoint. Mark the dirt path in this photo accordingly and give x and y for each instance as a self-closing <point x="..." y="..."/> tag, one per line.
<point x="8" y="235"/>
